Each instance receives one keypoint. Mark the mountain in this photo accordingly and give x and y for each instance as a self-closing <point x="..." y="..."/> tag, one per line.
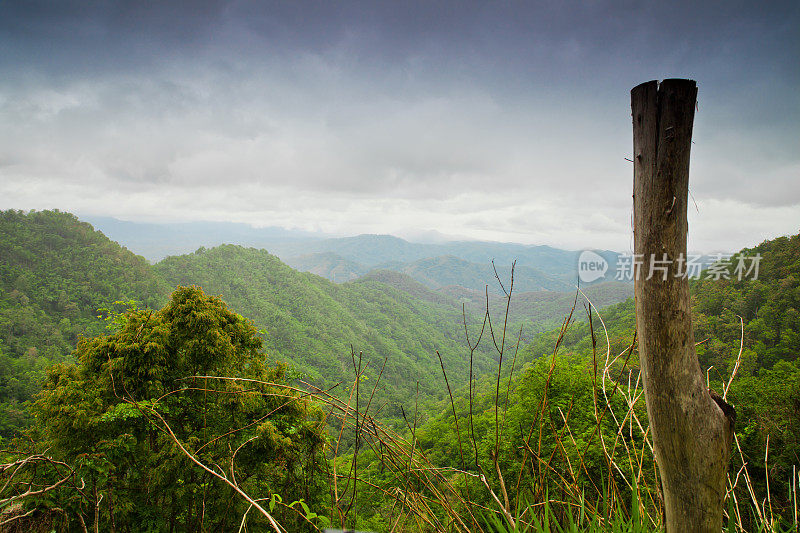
<point x="407" y="284"/>
<point x="55" y="273"/>
<point x="58" y="274"/>
<point x="443" y="271"/>
<point x="157" y="241"/>
<point x="369" y="250"/>
<point x="59" y="279"/>
<point x="313" y="323"/>
<point x="328" y="265"/>
<point x="439" y="272"/>
<point x="542" y="310"/>
<point x="374" y="250"/>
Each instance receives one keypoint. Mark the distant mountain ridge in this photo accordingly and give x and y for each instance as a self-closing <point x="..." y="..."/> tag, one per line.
<point x="356" y="255"/>
<point x="155" y="241"/>
<point x="328" y="265"/>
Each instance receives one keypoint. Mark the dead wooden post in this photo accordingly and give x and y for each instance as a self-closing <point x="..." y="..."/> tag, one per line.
<point x="691" y="433"/>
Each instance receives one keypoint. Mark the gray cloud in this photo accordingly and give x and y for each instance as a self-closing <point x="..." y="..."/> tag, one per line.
<point x="481" y="120"/>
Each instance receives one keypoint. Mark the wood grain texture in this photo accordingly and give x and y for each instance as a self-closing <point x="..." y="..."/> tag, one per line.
<point x="691" y="433"/>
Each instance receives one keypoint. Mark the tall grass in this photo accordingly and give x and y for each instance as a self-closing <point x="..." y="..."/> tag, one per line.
<point x="558" y="494"/>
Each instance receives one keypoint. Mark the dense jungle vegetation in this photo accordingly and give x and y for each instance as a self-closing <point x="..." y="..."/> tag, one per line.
<point x="114" y="415"/>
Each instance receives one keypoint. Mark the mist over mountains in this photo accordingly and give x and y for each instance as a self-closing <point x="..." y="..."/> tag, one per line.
<point x="467" y="264"/>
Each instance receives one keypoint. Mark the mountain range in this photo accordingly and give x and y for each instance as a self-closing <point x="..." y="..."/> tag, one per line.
<point x="61" y="279"/>
<point x="468" y="264"/>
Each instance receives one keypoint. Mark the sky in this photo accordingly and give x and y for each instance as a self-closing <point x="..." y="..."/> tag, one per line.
<point x="506" y="121"/>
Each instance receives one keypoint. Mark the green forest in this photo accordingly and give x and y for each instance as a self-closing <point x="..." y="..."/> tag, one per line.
<point x="222" y="390"/>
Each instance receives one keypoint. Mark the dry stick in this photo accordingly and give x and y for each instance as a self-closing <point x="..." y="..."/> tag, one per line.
<point x="629" y="415"/>
<point x="605" y="410"/>
<point x="359" y="428"/>
<point x="510" y="375"/>
<point x="369" y="402"/>
<point x="605" y="373"/>
<point x="501" y="351"/>
<point x="609" y="459"/>
<point x="20" y="463"/>
<point x="354" y="464"/>
<point x="292" y="399"/>
<point x="83" y="523"/>
<point x="795" y="486"/>
<point x="387" y="493"/>
<point x="571" y="436"/>
<point x="453" y="407"/>
<point x="336" y="453"/>
<point x="748" y="482"/>
<point x="233" y="456"/>
<point x="731" y="490"/>
<point x="167" y="429"/>
<point x="545" y="398"/>
<point x="766" y="473"/>
<point x="639" y="478"/>
<point x="559" y="438"/>
<point x="424" y="470"/>
<point x="505" y="407"/>
<point x="392" y="456"/>
<point x="460" y="447"/>
<point x="600" y="431"/>
<point x="594" y="359"/>
<point x="30" y="491"/>
<point x="546" y="464"/>
<point x="280" y="385"/>
<point x="412" y="429"/>
<point x="538" y="421"/>
<point x="503" y="509"/>
<point x="633" y="402"/>
<point x="618" y="437"/>
<point x="738" y="360"/>
<point x="18" y="517"/>
<point x="732" y="493"/>
<point x="224" y="478"/>
<point x="438" y="497"/>
<point x="539" y="414"/>
<point x="253" y="423"/>
<point x="472" y="349"/>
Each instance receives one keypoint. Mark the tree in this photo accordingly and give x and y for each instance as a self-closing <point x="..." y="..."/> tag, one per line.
<point x="119" y="414"/>
<point x="692" y="428"/>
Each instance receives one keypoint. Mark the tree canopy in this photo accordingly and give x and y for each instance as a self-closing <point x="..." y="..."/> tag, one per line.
<point x="120" y="412"/>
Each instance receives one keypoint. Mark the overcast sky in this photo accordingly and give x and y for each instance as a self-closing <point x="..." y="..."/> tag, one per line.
<point x="498" y="121"/>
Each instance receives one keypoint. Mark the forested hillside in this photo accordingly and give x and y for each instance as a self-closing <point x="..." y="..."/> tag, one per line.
<point x="313" y="323"/>
<point x="542" y="310"/>
<point x="60" y="279"/>
<point x="107" y="413"/>
<point x="329" y="266"/>
<point x="55" y="274"/>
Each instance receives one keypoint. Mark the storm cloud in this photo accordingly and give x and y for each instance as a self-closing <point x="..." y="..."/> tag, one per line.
<point x="503" y="121"/>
